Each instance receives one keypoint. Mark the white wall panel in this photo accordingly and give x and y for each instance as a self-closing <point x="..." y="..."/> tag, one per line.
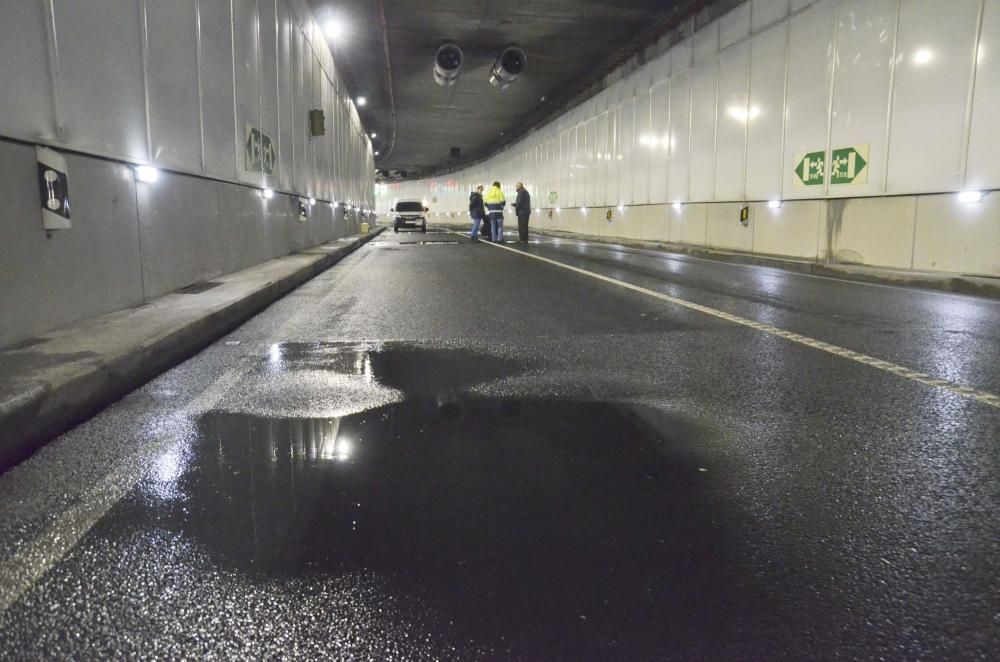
<point x="174" y="114"/>
<point x="733" y="113"/>
<point x="268" y="58"/>
<point x="766" y="12"/>
<point x="591" y="197"/>
<point x="247" y="77"/>
<point x="102" y="97"/>
<point x="704" y="101"/>
<point x="29" y="113"/>
<point x="286" y="117"/>
<point x="866" y="31"/>
<point x="217" y="92"/>
<point x="766" y="113"/>
<point x="317" y="164"/>
<point x="984" y="146"/>
<point x="734" y="26"/>
<point x="562" y="167"/>
<point x="706" y="42"/>
<point x="642" y="148"/>
<point x="614" y="149"/>
<point x="680" y="56"/>
<point x="933" y="74"/>
<point x="678" y="177"/>
<point x="810" y="50"/>
<point x="573" y="168"/>
<point x="601" y="166"/>
<point x="301" y="60"/>
<point x="660" y="140"/>
<point x="626" y="151"/>
<point x="659" y="69"/>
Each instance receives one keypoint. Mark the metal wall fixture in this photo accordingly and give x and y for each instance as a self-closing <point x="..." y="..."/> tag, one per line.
<point x="447" y="65"/>
<point x="508" y="67"/>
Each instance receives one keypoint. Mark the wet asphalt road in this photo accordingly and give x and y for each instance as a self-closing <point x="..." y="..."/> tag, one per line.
<point x="450" y="451"/>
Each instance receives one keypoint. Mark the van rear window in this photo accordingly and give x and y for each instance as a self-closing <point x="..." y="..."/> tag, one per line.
<point x="409" y="206"/>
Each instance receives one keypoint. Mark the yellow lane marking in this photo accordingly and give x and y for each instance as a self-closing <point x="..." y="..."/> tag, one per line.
<point x="886" y="366"/>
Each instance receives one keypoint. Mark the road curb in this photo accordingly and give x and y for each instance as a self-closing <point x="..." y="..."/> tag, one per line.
<point x="39" y="403"/>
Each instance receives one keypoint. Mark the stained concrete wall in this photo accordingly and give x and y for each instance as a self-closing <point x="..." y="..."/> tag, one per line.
<point x="133" y="242"/>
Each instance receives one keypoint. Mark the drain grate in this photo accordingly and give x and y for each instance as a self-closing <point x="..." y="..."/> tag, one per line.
<point x="198" y="288"/>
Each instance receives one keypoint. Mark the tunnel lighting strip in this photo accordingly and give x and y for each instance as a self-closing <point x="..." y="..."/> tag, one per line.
<point x="989" y="399"/>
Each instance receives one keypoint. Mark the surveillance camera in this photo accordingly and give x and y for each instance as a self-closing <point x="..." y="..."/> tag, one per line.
<point x="447" y="65"/>
<point x="507" y="67"/>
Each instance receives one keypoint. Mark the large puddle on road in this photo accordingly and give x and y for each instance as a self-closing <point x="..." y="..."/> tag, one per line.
<point x="552" y="525"/>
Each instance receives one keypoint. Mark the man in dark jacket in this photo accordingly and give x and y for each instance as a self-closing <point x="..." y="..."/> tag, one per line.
<point x="522" y="207"/>
<point x="477" y="210"/>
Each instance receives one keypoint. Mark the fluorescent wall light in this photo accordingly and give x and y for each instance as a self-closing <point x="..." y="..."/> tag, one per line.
<point x="312" y="201"/>
<point x="148" y="174"/>
<point x="267" y="193"/>
<point x="361" y="101"/>
<point x="743" y="113"/>
<point x="334" y="29"/>
<point x="678" y="205"/>
<point x="773" y="204"/>
<point x="970" y="196"/>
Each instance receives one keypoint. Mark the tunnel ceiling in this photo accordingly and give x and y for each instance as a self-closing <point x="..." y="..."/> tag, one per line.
<point x="570" y="45"/>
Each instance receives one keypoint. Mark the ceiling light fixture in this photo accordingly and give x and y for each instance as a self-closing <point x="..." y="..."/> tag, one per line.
<point x="147" y="174"/>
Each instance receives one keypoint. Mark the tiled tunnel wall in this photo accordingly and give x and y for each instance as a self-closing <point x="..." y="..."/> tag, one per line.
<point x="782" y="100"/>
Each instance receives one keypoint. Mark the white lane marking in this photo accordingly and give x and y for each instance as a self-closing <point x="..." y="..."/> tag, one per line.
<point x="682" y="257"/>
<point x="979" y="396"/>
<point x="34" y="558"/>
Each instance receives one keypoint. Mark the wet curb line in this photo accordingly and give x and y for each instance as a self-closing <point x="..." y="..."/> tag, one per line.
<point x="48" y="386"/>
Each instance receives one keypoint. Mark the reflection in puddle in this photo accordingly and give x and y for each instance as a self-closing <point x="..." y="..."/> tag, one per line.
<point x="556" y="528"/>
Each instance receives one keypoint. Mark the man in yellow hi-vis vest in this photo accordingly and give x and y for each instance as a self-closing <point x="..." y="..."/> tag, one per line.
<point x="495" y="202"/>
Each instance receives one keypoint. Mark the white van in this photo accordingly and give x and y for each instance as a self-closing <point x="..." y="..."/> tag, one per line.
<point x="409" y="214"/>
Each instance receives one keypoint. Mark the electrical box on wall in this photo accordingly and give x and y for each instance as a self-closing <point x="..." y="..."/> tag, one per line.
<point x="317" y="122"/>
<point x="303" y="212"/>
<point x="53" y="188"/>
<point x="745" y="215"/>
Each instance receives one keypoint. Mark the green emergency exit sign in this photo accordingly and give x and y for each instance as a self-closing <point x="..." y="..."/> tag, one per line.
<point x="849" y="165"/>
<point x="810" y="168"/>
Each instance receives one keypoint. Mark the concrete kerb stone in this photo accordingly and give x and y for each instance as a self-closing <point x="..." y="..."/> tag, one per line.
<point x="42" y="395"/>
<point x="946" y="282"/>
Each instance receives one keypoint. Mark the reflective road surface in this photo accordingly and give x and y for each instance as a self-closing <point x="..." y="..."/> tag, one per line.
<point x="440" y="450"/>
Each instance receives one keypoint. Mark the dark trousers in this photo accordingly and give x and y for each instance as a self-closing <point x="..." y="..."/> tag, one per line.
<point x="522" y="226"/>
